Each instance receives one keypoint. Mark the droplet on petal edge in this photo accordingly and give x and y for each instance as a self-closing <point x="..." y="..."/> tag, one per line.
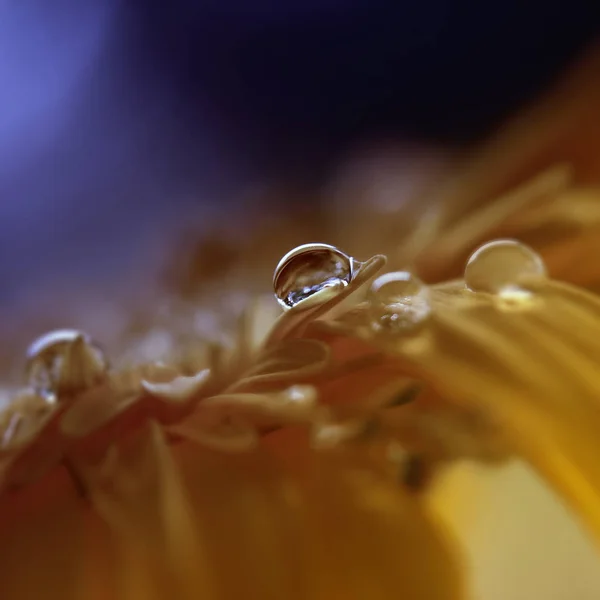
<point x="310" y="269"/>
<point x="65" y="360"/>
<point x="504" y="268"/>
<point x="398" y="301"/>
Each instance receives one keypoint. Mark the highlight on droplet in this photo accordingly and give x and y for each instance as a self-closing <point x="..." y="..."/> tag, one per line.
<point x="310" y="269"/>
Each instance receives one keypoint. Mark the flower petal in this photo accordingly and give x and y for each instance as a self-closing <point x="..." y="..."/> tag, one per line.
<point x="42" y="529"/>
<point x="137" y="492"/>
<point x="320" y="527"/>
<point x="532" y="369"/>
<point x="188" y="522"/>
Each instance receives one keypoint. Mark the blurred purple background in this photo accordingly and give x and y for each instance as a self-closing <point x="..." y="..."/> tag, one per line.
<point x="117" y="121"/>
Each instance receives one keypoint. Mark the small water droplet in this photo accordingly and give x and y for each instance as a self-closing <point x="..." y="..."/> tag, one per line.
<point x="64" y="360"/>
<point x="505" y="268"/>
<point x="398" y="301"/>
<point x="309" y="269"/>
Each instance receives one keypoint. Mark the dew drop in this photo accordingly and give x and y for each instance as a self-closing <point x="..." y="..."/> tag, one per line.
<point x="65" y="360"/>
<point x="310" y="269"/>
<point x="504" y="268"/>
<point x="398" y="301"/>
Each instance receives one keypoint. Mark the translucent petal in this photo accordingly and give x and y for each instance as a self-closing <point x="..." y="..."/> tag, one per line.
<point x="533" y="371"/>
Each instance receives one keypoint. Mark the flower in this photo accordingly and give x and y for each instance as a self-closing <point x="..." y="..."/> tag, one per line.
<point x="279" y="475"/>
<point x="158" y="488"/>
<point x="303" y="459"/>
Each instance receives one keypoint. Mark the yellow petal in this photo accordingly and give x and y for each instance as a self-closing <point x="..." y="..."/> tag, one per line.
<point x="532" y="370"/>
<point x="368" y="539"/>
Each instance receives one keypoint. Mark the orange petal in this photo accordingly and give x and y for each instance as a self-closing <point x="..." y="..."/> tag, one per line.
<point x="139" y="495"/>
<point x="42" y="528"/>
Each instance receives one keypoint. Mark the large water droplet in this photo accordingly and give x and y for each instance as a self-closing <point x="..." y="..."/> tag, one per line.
<point x="398" y="301"/>
<point x="64" y="360"/>
<point x="504" y="267"/>
<point x="309" y="269"/>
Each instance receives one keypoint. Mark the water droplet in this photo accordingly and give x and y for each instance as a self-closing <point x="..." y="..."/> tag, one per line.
<point x="309" y="269"/>
<point x="506" y="268"/>
<point x="64" y="361"/>
<point x="398" y="301"/>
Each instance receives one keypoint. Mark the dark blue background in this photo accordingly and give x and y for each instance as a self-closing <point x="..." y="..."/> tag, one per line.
<point x="117" y="118"/>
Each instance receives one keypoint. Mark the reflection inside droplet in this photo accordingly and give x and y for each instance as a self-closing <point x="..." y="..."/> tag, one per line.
<point x="309" y="269"/>
<point x="63" y="360"/>
<point x="398" y="301"/>
<point x="505" y="267"/>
